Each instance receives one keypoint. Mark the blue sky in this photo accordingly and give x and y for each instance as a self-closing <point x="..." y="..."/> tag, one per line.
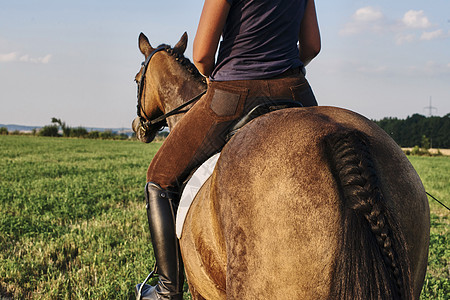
<point x="76" y="60"/>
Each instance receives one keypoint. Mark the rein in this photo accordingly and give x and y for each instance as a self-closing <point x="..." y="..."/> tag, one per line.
<point x="177" y="110"/>
<point x="145" y="122"/>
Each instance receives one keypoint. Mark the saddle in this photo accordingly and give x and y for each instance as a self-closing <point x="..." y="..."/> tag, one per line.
<point x="260" y="110"/>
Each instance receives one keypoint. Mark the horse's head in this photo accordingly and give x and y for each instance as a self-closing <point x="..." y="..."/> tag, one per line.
<point x="154" y="80"/>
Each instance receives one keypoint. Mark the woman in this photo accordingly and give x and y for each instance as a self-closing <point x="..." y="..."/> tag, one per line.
<point x="258" y="61"/>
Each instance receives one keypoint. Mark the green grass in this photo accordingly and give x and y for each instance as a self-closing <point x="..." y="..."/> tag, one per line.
<point x="73" y="223"/>
<point x="435" y="175"/>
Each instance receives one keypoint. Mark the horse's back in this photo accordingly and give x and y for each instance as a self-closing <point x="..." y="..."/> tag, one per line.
<point x="278" y="203"/>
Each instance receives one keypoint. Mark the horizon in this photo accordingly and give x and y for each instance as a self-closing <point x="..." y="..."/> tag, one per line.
<point x="166" y="128"/>
<point x="77" y="60"/>
<point x="89" y="128"/>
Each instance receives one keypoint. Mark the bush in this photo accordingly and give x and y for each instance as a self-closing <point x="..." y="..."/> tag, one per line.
<point x="420" y="151"/>
<point x="107" y="134"/>
<point x="122" y="136"/>
<point x="78" y="132"/>
<point x="94" y="134"/>
<point x="161" y="136"/>
<point x="425" y="142"/>
<point x="49" y="130"/>
<point x="3" y="131"/>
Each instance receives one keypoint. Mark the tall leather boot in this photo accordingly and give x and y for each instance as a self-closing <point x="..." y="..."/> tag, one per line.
<point x="169" y="265"/>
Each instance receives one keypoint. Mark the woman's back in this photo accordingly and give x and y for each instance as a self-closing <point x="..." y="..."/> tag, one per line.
<point x="259" y="39"/>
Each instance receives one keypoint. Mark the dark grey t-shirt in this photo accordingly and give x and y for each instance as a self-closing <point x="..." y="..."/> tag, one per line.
<point x="259" y="39"/>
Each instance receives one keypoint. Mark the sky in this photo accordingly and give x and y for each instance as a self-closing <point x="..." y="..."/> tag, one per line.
<point x="76" y="60"/>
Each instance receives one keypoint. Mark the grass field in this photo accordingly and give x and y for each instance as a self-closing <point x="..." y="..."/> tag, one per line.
<point x="73" y="222"/>
<point x="435" y="175"/>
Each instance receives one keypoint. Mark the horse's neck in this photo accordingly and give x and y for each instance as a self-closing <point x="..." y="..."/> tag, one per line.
<point x="174" y="101"/>
<point x="177" y="92"/>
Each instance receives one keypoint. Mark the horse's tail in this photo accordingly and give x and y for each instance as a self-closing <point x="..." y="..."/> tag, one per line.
<point x="372" y="262"/>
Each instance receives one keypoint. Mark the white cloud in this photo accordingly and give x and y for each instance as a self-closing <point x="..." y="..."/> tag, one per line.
<point x="431" y="35"/>
<point x="8" y="57"/>
<point x="46" y="59"/>
<point x="367" y="14"/>
<point x="42" y="60"/>
<point x="416" y="19"/>
<point x="366" y="18"/>
<point x="15" y="57"/>
<point x="411" y="27"/>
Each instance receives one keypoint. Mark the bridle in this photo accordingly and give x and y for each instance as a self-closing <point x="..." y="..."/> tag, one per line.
<point x="145" y="122"/>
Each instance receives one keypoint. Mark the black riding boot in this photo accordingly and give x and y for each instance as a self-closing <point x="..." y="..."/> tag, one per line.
<point x="161" y="220"/>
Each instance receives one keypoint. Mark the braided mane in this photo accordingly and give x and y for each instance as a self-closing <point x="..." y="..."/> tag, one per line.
<point x="372" y="263"/>
<point x="185" y="62"/>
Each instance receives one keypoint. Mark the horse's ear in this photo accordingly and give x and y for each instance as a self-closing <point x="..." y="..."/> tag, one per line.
<point x="144" y="45"/>
<point x="180" y="47"/>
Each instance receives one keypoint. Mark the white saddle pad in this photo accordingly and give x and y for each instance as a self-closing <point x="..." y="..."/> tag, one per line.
<point x="191" y="189"/>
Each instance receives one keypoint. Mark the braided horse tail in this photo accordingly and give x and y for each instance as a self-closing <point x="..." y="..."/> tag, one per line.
<point x="372" y="261"/>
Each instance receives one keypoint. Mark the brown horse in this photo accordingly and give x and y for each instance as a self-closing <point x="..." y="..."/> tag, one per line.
<point x="304" y="203"/>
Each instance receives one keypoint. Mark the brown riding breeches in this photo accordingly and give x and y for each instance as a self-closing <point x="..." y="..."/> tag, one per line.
<point x="202" y="131"/>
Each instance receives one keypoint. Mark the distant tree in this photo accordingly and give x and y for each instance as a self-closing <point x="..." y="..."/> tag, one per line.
<point x="94" y="134"/>
<point x="3" y="131"/>
<point x="425" y="143"/>
<point x="122" y="136"/>
<point x="66" y="129"/>
<point x="409" y="132"/>
<point x="107" y="134"/>
<point x="161" y="135"/>
<point x="79" y="132"/>
<point x="49" y="130"/>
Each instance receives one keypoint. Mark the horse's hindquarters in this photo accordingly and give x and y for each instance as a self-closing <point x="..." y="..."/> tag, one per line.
<point x="276" y="206"/>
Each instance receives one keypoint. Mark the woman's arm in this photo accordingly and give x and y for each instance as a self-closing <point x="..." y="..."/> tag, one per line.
<point x="309" y="36"/>
<point x="210" y="27"/>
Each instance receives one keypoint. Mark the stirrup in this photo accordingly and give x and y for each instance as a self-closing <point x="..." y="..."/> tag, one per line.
<point x="152" y="273"/>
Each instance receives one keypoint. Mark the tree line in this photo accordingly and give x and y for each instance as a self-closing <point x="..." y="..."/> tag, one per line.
<point x="415" y="130"/>
<point x="418" y="130"/>
<point x="58" y="128"/>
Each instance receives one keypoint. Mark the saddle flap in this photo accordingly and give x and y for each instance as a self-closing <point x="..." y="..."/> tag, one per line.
<point x="191" y="189"/>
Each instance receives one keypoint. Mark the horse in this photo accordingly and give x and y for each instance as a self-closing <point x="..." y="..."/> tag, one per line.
<point x="303" y="203"/>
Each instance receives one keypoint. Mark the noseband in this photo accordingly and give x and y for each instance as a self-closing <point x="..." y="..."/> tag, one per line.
<point x="145" y="122"/>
